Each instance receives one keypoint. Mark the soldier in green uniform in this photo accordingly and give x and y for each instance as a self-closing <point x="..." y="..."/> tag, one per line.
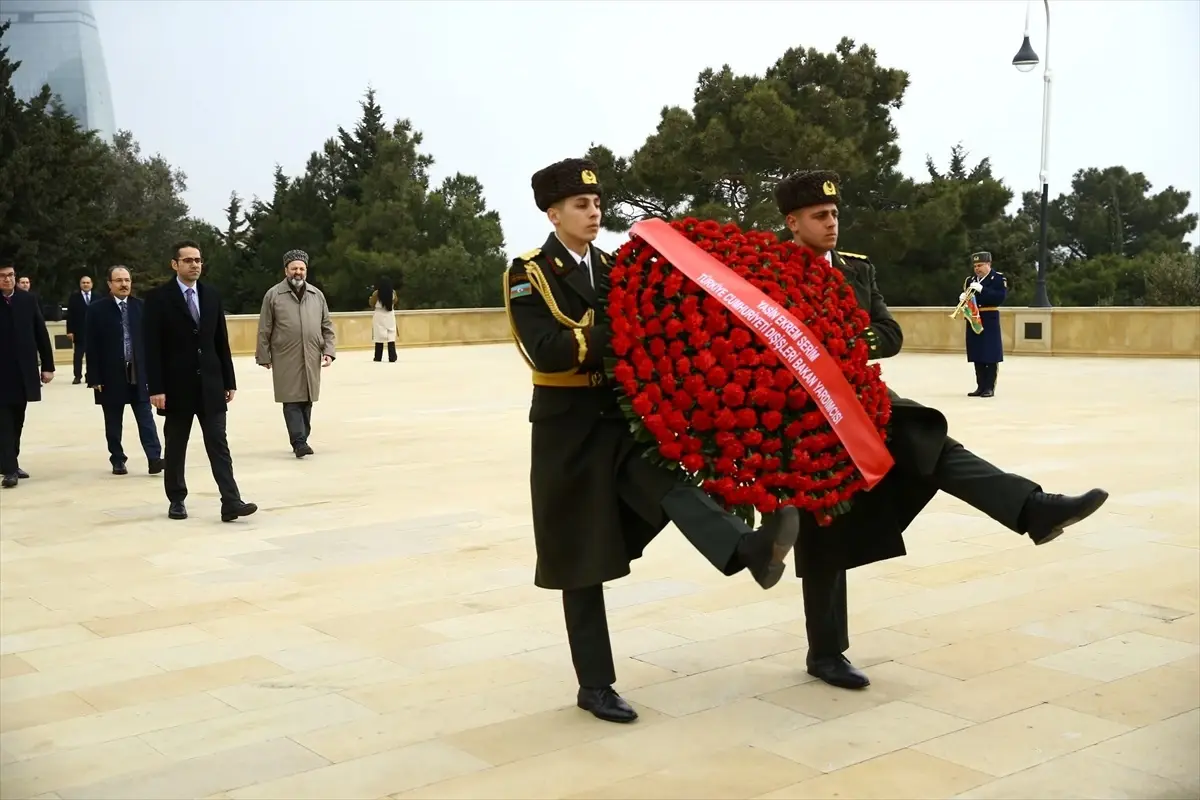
<point x="985" y="349"/>
<point x="596" y="501"/>
<point x="927" y="460"/>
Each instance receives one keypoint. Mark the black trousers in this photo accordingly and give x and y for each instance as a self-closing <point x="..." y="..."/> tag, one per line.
<point x="177" y="429"/>
<point x="298" y="419"/>
<point x="708" y="527"/>
<point x="985" y="376"/>
<point x="114" y="423"/>
<point x="391" y="348"/>
<point x="80" y="348"/>
<point x="12" y="422"/>
<point x="959" y="472"/>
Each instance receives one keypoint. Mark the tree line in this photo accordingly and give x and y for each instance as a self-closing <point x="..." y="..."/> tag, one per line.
<point x="365" y="205"/>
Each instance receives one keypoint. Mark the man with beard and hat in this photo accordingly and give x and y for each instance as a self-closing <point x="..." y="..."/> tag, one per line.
<point x="927" y="460"/>
<point x="596" y="501"/>
<point x="295" y="341"/>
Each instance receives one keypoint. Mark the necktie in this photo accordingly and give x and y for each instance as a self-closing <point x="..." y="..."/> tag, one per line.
<point x="586" y="266"/>
<point x="192" y="308"/>
<point x="125" y="332"/>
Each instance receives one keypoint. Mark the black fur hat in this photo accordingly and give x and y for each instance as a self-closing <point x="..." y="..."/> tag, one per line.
<point x="565" y="179"/>
<point x="811" y="188"/>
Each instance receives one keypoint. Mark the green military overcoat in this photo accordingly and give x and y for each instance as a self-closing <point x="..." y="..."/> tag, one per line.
<point x="873" y="530"/>
<point x="587" y="525"/>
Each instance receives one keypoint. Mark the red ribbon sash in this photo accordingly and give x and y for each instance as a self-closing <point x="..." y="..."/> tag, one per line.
<point x="791" y="341"/>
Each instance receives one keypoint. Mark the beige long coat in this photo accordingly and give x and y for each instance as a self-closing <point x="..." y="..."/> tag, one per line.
<point x="293" y="333"/>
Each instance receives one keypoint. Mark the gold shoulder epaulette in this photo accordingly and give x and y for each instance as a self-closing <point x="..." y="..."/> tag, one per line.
<point x="859" y="256"/>
<point x="531" y="255"/>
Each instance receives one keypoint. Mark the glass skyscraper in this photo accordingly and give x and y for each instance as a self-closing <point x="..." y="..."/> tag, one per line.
<point x="57" y="42"/>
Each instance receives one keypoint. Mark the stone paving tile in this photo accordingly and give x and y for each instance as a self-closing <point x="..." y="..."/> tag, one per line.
<point x="374" y="632"/>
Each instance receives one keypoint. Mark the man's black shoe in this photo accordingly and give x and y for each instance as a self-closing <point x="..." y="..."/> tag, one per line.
<point x="987" y="393"/>
<point x="177" y="510"/>
<point x="605" y="704"/>
<point x="120" y="469"/>
<point x="231" y="511"/>
<point x="156" y="466"/>
<point x="975" y="393"/>
<point x="837" y="671"/>
<point x="9" y="481"/>
<point x="1046" y="515"/>
<point x="764" y="552"/>
<point x="302" y="450"/>
<point x="77" y="380"/>
<point x="22" y="474"/>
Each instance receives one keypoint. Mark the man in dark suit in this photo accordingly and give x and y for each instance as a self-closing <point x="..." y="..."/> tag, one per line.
<point x="116" y="356"/>
<point x="927" y="460"/>
<point x="189" y="373"/>
<point x="24" y="341"/>
<point x="77" y="308"/>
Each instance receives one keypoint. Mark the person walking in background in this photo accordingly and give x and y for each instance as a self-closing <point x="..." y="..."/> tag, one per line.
<point x="24" y="341"/>
<point x="295" y="341"/>
<point x="116" y="358"/>
<point x="77" y="307"/>
<point x="383" y="322"/>
<point x="189" y="373"/>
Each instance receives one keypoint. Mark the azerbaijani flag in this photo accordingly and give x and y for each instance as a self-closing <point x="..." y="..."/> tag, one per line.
<point x="972" y="315"/>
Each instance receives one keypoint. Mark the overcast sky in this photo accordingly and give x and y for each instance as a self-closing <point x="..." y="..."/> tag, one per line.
<point x="224" y="89"/>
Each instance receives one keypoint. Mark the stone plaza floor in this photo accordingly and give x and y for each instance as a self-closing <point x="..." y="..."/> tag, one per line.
<point x="374" y="632"/>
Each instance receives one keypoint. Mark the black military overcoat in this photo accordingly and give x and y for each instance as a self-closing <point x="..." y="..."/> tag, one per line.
<point x="874" y="528"/>
<point x="584" y="531"/>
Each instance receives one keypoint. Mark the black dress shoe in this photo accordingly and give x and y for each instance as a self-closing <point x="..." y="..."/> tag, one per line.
<point x="1046" y="515"/>
<point x="22" y="474"/>
<point x="605" y="704"/>
<point x="177" y="510"/>
<point x="838" y="671"/>
<point x="975" y="393"/>
<point x="77" y="381"/>
<point x="302" y="450"/>
<point x="231" y="511"/>
<point x="987" y="393"/>
<point x="764" y="551"/>
<point x="120" y="469"/>
<point x="156" y="466"/>
<point x="9" y="481"/>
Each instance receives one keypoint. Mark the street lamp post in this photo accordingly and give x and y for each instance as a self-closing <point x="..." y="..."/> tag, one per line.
<point x="1025" y="60"/>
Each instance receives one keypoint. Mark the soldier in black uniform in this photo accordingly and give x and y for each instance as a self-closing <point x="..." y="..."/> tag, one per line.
<point x="927" y="460"/>
<point x="985" y="349"/>
<point x="596" y="501"/>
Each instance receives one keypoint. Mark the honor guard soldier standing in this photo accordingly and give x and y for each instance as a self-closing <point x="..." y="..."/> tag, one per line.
<point x="985" y="349"/>
<point x="596" y="501"/>
<point x="927" y="460"/>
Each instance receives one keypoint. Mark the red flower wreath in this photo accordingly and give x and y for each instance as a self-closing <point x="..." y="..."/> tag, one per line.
<point x="718" y="403"/>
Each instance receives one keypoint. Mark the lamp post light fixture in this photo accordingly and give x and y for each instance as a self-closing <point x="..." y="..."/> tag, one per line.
<point x="1025" y="60"/>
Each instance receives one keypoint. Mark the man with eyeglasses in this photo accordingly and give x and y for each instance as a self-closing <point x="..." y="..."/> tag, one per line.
<point x="189" y="373"/>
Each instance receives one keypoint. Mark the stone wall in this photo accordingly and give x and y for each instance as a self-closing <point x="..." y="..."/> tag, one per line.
<point x="1109" y="331"/>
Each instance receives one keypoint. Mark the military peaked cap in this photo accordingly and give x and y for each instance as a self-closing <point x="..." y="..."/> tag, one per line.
<point x="804" y="189"/>
<point x="564" y="179"/>
<point x="981" y="258"/>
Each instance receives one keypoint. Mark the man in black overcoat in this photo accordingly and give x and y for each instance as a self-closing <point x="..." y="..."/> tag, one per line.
<point x="985" y="349"/>
<point x="597" y="502"/>
<point x="116" y="373"/>
<point x="189" y="374"/>
<point x="24" y="341"/>
<point x="927" y="460"/>
<point x="77" y="308"/>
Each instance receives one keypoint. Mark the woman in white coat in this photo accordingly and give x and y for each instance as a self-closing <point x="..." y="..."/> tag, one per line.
<point x="383" y="321"/>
